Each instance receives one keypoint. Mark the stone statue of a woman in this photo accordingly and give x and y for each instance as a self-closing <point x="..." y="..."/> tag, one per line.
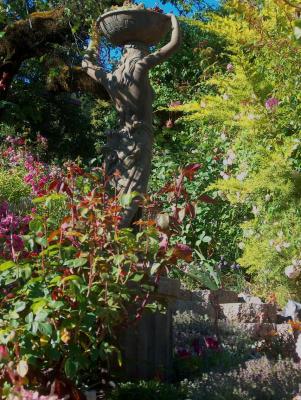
<point x="129" y="149"/>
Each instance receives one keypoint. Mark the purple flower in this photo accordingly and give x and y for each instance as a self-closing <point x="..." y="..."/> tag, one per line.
<point x="271" y="103"/>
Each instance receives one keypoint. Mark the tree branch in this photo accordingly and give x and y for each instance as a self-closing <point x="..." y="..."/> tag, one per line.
<point x="75" y="79"/>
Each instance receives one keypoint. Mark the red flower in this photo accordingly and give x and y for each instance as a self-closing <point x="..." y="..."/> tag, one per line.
<point x="211" y="343"/>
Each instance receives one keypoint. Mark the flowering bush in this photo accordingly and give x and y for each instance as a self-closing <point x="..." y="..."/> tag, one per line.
<point x="67" y="283"/>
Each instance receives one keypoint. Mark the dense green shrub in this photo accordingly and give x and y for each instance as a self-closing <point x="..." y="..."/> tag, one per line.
<point x="256" y="113"/>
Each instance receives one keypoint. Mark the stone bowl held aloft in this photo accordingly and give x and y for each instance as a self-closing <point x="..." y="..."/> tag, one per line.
<point x="129" y="26"/>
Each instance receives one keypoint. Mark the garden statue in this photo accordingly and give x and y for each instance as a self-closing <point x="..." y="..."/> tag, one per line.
<point x="128" y="151"/>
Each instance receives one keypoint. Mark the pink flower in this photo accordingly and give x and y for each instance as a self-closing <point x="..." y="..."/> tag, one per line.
<point x="230" y="67"/>
<point x="271" y="103"/>
<point x="42" y="140"/>
<point x="4" y="355"/>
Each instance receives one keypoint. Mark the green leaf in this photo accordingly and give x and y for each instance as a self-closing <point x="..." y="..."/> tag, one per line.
<point x="78" y="262"/>
<point x="36" y="225"/>
<point x="20" y="306"/>
<point x="70" y="368"/>
<point x="126" y="199"/>
<point x="7" y="265"/>
<point x="38" y="306"/>
<point x="154" y="268"/>
<point x="45" y="328"/>
<point x="41" y="316"/>
<point x="137" y="277"/>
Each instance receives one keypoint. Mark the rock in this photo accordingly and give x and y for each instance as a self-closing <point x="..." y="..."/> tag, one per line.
<point x="285" y="332"/>
<point x="248" y="312"/>
<point x="91" y="395"/>
<point x="292" y="310"/>
<point x="247" y="298"/>
<point x="259" y="330"/>
<point x="219" y="296"/>
<point x="168" y="287"/>
<point x="194" y="307"/>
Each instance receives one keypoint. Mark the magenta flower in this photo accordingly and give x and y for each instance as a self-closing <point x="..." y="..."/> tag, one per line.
<point x="271" y="103"/>
<point x="3" y="353"/>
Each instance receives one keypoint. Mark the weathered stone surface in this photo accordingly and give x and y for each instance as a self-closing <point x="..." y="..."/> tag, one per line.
<point x="219" y="296"/>
<point x="91" y="395"/>
<point x="285" y="331"/>
<point x="248" y="312"/>
<point x="259" y="330"/>
<point x="168" y="287"/>
<point x="246" y="298"/>
<point x="194" y="307"/>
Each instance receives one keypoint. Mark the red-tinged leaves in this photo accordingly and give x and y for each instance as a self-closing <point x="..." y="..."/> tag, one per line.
<point x="190" y="210"/>
<point x="55" y="184"/>
<point x="182" y="252"/>
<point x="190" y="171"/>
<point x="53" y="236"/>
<point x="207" y="199"/>
<point x="64" y="188"/>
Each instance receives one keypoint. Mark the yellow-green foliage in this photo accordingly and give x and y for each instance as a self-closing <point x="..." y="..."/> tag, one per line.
<point x="257" y="108"/>
<point x="12" y="186"/>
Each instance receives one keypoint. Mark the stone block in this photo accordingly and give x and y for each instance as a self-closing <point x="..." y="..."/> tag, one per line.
<point x="194" y="307"/>
<point x="219" y="296"/>
<point x="248" y="313"/>
<point x="285" y="331"/>
<point x="168" y="288"/>
<point x="259" y="330"/>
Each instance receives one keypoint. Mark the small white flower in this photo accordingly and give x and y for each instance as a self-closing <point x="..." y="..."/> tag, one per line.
<point x="268" y="197"/>
<point x="241" y="245"/>
<point x="292" y="272"/>
<point x="223" y="136"/>
<point x="226" y="96"/>
<point x="255" y="210"/>
<point x="251" y="116"/>
<point x="271" y="242"/>
<point x="286" y="245"/>
<point x="203" y="104"/>
<point x="241" y="176"/>
<point x="224" y="175"/>
<point x="278" y="248"/>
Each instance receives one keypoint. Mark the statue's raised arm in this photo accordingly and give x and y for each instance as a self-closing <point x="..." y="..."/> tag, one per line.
<point x="92" y="68"/>
<point x="166" y="51"/>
